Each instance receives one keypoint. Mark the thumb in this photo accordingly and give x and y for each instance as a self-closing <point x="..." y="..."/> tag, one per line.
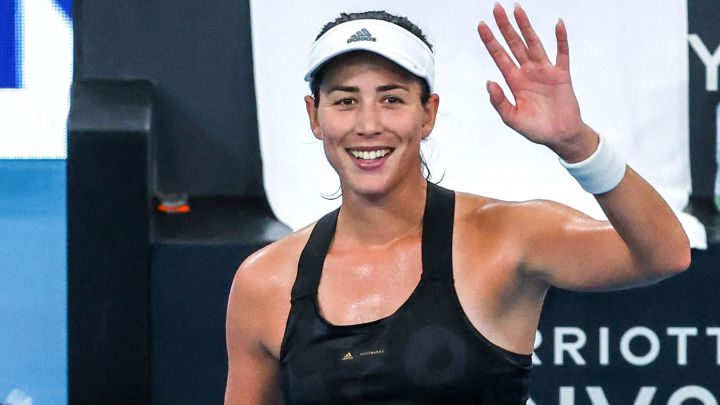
<point x="499" y="101"/>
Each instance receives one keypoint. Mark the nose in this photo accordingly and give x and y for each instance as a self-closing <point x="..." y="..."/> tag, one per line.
<point x="368" y="121"/>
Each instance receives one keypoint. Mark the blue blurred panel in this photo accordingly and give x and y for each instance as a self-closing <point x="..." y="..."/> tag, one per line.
<point x="33" y="286"/>
<point x="66" y="7"/>
<point x="9" y="45"/>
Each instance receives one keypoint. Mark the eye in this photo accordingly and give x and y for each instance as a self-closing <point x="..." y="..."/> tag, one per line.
<point x="345" y="101"/>
<point x="392" y="100"/>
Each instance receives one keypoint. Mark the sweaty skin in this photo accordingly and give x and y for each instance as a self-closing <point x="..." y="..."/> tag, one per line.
<point x="505" y="255"/>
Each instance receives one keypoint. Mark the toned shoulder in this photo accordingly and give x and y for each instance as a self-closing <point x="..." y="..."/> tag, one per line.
<point x="500" y="214"/>
<point x="270" y="271"/>
<point x="259" y="301"/>
<point x="503" y="233"/>
<point x="482" y="213"/>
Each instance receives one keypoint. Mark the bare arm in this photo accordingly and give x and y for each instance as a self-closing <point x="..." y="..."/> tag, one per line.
<point x="643" y="242"/>
<point x="252" y="369"/>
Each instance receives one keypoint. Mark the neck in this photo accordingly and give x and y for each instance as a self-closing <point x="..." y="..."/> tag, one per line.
<point x="379" y="220"/>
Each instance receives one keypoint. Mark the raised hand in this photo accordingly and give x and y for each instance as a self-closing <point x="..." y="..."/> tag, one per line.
<point x="546" y="110"/>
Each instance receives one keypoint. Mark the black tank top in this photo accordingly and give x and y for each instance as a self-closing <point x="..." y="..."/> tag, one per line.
<point x="427" y="352"/>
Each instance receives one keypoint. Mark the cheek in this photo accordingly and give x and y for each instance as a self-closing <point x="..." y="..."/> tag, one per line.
<point x="332" y="127"/>
<point x="413" y="130"/>
<point x="332" y="133"/>
<point x="332" y="154"/>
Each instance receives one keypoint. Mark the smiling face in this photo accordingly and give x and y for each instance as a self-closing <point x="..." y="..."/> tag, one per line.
<point x="371" y="121"/>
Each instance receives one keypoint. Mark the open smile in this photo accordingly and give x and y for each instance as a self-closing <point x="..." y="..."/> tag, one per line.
<point x="370" y="154"/>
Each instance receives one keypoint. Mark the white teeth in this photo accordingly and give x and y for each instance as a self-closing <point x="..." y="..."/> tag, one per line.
<point x="370" y="155"/>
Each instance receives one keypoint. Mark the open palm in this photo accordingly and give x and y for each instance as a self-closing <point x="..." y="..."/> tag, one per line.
<point x="546" y="110"/>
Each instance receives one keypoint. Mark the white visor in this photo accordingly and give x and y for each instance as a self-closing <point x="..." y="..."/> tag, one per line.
<point x="378" y="36"/>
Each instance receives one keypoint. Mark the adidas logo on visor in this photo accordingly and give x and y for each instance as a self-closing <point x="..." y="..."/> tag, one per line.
<point x="362" y="35"/>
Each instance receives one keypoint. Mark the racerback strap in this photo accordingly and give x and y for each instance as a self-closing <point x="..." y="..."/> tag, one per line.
<point x="437" y="233"/>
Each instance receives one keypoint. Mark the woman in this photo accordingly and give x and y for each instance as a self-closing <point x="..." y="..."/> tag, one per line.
<point x="411" y="293"/>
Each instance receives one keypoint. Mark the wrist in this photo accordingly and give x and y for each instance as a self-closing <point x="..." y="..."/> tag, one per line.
<point x="579" y="147"/>
<point x="600" y="172"/>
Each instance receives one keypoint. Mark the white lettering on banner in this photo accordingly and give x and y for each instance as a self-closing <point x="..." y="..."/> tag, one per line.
<point x="631" y="357"/>
<point x="714" y="332"/>
<point x="538" y="341"/>
<point x="604" y="346"/>
<point x="597" y="396"/>
<point x="682" y="335"/>
<point x="572" y="340"/>
<point x="572" y="348"/>
<point x="711" y="62"/>
<point x="567" y="395"/>
<point x="645" y="396"/>
<point x="692" y="392"/>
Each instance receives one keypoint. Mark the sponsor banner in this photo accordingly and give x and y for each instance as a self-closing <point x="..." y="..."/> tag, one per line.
<point x="658" y="345"/>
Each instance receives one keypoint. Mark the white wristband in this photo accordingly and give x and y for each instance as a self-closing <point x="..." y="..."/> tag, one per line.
<point x="601" y="172"/>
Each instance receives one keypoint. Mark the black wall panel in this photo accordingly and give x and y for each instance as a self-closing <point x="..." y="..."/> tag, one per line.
<point x="198" y="55"/>
<point x="193" y="263"/>
<point x="108" y="243"/>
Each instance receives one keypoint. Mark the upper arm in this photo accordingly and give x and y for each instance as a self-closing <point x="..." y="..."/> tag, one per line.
<point x="565" y="248"/>
<point x="252" y="369"/>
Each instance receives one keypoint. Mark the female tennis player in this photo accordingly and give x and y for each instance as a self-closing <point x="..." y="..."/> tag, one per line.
<point x="411" y="293"/>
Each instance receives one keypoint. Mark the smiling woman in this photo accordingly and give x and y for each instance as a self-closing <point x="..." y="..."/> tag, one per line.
<point x="412" y="293"/>
<point x="369" y="113"/>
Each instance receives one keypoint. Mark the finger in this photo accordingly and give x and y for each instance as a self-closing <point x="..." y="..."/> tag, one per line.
<point x="497" y="52"/>
<point x="500" y="102"/>
<point x="562" y="60"/>
<point x="536" y="51"/>
<point x="516" y="44"/>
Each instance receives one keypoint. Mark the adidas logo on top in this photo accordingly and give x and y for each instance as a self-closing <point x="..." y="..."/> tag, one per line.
<point x="362" y="35"/>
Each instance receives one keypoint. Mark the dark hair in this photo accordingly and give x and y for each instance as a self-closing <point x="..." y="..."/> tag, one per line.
<point x="376" y="15"/>
<point x="403" y="22"/>
<point x="372" y="15"/>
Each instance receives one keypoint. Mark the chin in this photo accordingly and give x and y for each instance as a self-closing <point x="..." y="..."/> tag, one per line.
<point x="368" y="187"/>
<point x="378" y="183"/>
<point x="373" y="187"/>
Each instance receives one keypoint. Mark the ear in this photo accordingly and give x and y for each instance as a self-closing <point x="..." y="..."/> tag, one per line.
<point x="312" y="117"/>
<point x="431" y="109"/>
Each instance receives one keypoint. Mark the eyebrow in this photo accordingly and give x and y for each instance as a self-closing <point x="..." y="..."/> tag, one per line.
<point x="393" y="86"/>
<point x="349" y="89"/>
<point x="355" y="89"/>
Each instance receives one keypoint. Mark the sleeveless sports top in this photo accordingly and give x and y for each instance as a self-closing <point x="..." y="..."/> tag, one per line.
<point x="427" y="352"/>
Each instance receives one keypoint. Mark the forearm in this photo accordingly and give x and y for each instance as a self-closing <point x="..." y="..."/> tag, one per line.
<point x="648" y="226"/>
<point x="654" y="238"/>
